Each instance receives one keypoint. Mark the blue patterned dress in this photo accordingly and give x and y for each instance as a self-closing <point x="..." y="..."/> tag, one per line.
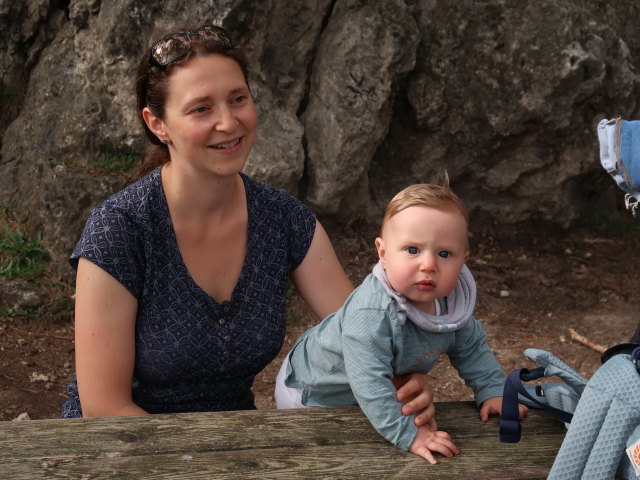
<point x="193" y="353"/>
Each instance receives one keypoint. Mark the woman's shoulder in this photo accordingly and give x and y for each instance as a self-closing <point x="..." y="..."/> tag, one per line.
<point x="134" y="200"/>
<point x="117" y="231"/>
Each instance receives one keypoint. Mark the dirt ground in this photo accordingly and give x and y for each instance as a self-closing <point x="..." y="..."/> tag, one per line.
<point x="535" y="282"/>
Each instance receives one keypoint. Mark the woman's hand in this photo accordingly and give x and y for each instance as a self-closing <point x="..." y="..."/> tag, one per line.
<point x="417" y="396"/>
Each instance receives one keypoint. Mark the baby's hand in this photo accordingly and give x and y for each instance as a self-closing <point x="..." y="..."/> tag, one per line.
<point x="494" y="406"/>
<point x="428" y="441"/>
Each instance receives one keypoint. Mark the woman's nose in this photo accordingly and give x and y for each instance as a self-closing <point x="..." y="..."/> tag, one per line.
<point x="225" y="120"/>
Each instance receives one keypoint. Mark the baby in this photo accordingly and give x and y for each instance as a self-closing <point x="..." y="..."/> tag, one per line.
<point x="416" y="305"/>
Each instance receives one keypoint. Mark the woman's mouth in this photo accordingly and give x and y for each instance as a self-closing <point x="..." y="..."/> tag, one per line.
<point x="229" y="144"/>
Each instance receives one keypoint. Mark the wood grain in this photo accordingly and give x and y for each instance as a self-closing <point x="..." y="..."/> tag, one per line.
<point x="336" y="443"/>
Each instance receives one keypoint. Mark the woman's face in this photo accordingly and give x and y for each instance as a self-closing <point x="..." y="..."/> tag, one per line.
<point x="210" y="118"/>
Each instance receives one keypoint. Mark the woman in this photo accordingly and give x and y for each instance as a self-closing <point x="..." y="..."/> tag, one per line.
<point x="181" y="277"/>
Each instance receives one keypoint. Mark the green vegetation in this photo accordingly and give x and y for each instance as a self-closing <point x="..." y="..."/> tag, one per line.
<point x="612" y="227"/>
<point x="55" y="161"/>
<point x="57" y="304"/>
<point x="21" y="257"/>
<point x="112" y="159"/>
<point x="116" y="159"/>
<point x="60" y="298"/>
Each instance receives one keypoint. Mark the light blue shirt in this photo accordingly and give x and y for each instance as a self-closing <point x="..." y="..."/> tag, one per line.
<point x="352" y="355"/>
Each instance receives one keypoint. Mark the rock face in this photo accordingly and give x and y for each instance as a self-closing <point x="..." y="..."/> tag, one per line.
<point x="364" y="51"/>
<point x="357" y="99"/>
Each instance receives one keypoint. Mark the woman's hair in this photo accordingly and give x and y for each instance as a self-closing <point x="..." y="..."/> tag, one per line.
<point x="425" y="195"/>
<point x="152" y="79"/>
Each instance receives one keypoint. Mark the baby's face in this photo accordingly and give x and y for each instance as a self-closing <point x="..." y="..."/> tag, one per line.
<point x="422" y="250"/>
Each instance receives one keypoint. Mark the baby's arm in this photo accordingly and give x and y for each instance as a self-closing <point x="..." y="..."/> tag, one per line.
<point x="494" y="406"/>
<point x="428" y="441"/>
<point x="477" y="365"/>
<point x="368" y="352"/>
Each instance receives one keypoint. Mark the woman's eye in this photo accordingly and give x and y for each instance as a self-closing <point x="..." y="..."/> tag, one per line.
<point x="444" y="254"/>
<point x="199" y="110"/>
<point x="239" y="99"/>
<point x="412" y="250"/>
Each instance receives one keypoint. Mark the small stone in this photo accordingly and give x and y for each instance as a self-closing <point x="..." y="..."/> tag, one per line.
<point x="38" y="377"/>
<point x="504" y="293"/>
<point x="22" y="417"/>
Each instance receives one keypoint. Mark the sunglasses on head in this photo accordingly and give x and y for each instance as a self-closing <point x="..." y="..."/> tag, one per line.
<point x="178" y="45"/>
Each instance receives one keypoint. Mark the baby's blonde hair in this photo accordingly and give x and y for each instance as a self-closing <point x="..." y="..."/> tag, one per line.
<point x="425" y="195"/>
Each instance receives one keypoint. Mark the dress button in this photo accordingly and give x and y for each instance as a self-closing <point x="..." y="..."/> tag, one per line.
<point x="227" y="338"/>
<point x="226" y="354"/>
<point x="225" y="308"/>
<point x="221" y="321"/>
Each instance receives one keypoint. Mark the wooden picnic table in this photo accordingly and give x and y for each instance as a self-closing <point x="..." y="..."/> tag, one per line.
<point x="314" y="443"/>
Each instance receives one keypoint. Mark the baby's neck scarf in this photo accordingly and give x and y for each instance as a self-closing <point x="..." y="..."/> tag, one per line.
<point x="460" y="304"/>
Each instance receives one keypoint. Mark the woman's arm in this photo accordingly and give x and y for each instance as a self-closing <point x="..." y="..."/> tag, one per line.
<point x="320" y="279"/>
<point x="105" y="317"/>
<point x="324" y="286"/>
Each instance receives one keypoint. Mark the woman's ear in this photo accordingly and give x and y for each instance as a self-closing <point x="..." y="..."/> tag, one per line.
<point x="155" y="124"/>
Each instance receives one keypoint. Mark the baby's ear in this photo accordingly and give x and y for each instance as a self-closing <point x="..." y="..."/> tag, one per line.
<point x="466" y="255"/>
<point x="380" y="248"/>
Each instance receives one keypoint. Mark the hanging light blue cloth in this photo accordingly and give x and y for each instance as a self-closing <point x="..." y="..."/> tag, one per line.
<point x="620" y="157"/>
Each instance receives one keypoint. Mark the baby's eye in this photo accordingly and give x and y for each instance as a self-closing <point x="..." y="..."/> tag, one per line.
<point x="444" y="254"/>
<point x="412" y="250"/>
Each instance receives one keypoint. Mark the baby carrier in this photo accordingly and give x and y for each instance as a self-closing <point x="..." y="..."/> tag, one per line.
<point x="602" y="414"/>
